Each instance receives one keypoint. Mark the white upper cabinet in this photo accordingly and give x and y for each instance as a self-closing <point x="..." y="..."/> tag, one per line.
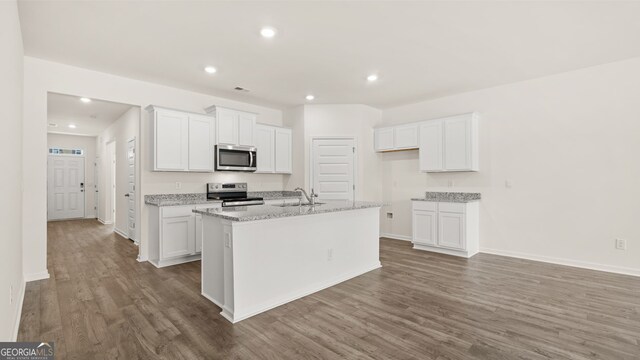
<point x="246" y="122"/>
<point x="171" y="130"/>
<point x="431" y="146"/>
<point x="274" y="146"/>
<point x="283" y="151"/>
<point x="226" y="127"/>
<point x="233" y="127"/>
<point x="449" y="144"/>
<point x="405" y="137"/>
<point x="383" y="139"/>
<point x="401" y="137"/>
<point x="264" y="137"/>
<point x="201" y="140"/>
<point x="182" y="141"/>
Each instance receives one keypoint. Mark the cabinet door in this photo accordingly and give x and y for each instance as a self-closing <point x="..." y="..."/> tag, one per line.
<point x="405" y="137"/>
<point x="283" y="150"/>
<point x="198" y="233"/>
<point x="178" y="236"/>
<point x="383" y="139"/>
<point x="457" y="143"/>
<point x="171" y="140"/>
<point x="424" y="227"/>
<point x="227" y="127"/>
<point x="200" y="143"/>
<point x="246" y="122"/>
<point x="451" y="230"/>
<point x="431" y="146"/>
<point x="265" y="143"/>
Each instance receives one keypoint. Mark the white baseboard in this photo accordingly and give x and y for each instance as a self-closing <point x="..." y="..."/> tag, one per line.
<point x="36" y="276"/>
<point x="120" y="232"/>
<point x="105" y="222"/>
<point x="566" y="262"/>
<point x="16" y="327"/>
<point x="396" y="236"/>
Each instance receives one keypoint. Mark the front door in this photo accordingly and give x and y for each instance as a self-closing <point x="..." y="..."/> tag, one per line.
<point x="131" y="188"/>
<point x="333" y="166"/>
<point x="65" y="185"/>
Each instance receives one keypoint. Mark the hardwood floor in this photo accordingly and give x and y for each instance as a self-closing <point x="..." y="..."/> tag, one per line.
<point x="100" y="303"/>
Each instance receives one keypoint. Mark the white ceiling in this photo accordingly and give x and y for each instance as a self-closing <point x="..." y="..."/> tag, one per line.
<point x="420" y="50"/>
<point x="90" y="118"/>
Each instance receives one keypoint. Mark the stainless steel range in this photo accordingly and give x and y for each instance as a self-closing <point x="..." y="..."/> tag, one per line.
<point x="232" y="194"/>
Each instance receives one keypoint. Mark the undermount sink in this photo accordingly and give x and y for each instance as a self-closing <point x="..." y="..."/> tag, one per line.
<point x="294" y="204"/>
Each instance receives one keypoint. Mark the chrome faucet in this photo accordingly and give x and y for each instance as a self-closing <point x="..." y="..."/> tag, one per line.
<point x="310" y="198"/>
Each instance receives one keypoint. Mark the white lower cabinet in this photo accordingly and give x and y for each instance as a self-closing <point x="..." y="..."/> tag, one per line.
<point x="175" y="234"/>
<point x="449" y="228"/>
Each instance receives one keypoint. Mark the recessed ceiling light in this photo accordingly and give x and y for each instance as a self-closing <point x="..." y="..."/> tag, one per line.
<point x="85" y="100"/>
<point x="210" y="69"/>
<point x="372" y="77"/>
<point x="71" y="126"/>
<point x="53" y="124"/>
<point x="310" y="97"/>
<point x="268" y="32"/>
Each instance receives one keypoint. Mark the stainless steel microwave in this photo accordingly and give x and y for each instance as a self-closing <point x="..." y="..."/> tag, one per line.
<point x="236" y="158"/>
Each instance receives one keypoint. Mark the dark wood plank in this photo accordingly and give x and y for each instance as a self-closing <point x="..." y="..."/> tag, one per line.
<point x="100" y="303"/>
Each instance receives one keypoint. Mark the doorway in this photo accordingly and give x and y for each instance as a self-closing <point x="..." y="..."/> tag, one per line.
<point x="332" y="168"/>
<point x="65" y="182"/>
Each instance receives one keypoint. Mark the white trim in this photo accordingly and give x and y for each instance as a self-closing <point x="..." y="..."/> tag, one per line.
<point x="120" y="232"/>
<point x="36" y="276"/>
<point x="396" y="236"/>
<point x="105" y="222"/>
<point x="565" y="262"/>
<point x="16" y="327"/>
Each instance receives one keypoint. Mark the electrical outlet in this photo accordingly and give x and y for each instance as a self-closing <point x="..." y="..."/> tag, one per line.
<point x="451" y="183"/>
<point x="178" y="185"/>
<point x="621" y="244"/>
<point x="330" y="254"/>
<point x="508" y="184"/>
<point x="389" y="215"/>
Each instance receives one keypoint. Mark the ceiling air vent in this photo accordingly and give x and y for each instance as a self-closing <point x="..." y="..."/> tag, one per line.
<point x="239" y="88"/>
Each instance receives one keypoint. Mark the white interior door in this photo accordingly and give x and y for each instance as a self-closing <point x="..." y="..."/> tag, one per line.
<point x="131" y="188"/>
<point x="333" y="168"/>
<point x="65" y="184"/>
<point x="110" y="186"/>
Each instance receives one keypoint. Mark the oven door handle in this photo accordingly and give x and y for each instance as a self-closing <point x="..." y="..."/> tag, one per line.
<point x="251" y="164"/>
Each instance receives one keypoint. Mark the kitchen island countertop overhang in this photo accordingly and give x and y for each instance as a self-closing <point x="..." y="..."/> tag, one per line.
<point x="256" y="258"/>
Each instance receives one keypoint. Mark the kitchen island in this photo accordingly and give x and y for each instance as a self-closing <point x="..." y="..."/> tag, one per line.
<point x="256" y="258"/>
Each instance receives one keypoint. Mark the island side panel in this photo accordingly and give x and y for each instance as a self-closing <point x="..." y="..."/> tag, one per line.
<point x="212" y="264"/>
<point x="279" y="260"/>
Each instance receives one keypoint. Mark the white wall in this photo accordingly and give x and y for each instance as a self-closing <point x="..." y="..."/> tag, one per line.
<point x="88" y="144"/>
<point x="355" y="121"/>
<point x="11" y="65"/>
<point x="569" y="144"/>
<point x="42" y="76"/>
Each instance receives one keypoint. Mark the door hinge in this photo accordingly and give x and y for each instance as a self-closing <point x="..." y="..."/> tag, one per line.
<point x="354" y="187"/>
<point x="354" y="149"/>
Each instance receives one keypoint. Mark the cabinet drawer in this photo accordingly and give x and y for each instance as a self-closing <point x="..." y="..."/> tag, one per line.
<point x="452" y="207"/>
<point x="425" y="205"/>
<point x="175" y="211"/>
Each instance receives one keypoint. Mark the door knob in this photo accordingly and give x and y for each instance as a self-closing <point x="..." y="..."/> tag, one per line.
<point x="127" y="195"/>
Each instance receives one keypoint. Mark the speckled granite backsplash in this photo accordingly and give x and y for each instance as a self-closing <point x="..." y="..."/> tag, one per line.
<point x="449" y="196"/>
<point x="201" y="198"/>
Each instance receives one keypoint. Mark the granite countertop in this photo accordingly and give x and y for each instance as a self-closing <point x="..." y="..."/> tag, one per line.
<point x="201" y="198"/>
<point x="460" y="197"/>
<point x="253" y="213"/>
